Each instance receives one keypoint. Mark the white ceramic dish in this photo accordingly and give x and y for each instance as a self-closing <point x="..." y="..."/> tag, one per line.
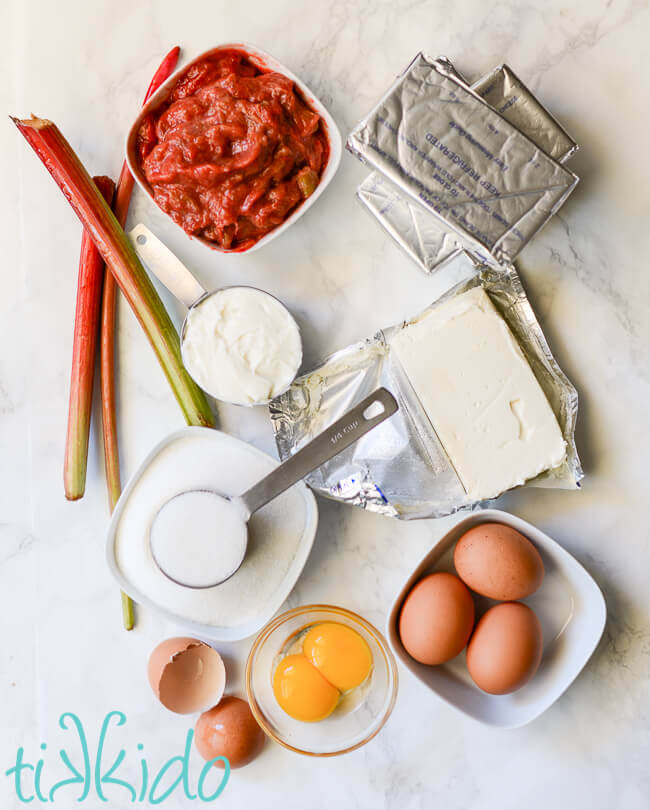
<point x="298" y="531"/>
<point x="266" y="61"/>
<point x="570" y="607"/>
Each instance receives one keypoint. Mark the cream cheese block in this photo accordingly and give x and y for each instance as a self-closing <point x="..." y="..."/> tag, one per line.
<point x="480" y="394"/>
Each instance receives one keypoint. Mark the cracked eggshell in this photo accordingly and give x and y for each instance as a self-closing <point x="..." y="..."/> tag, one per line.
<point x="186" y="675"/>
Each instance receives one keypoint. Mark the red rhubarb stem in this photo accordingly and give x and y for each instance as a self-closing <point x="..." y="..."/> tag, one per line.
<point x="126" y="182"/>
<point x="76" y="184"/>
<point x="165" y="70"/>
<point x="107" y="345"/>
<point x="84" y="347"/>
<point x="109" y="300"/>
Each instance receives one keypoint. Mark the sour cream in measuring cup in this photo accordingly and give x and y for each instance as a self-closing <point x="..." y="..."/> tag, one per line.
<point x="241" y="345"/>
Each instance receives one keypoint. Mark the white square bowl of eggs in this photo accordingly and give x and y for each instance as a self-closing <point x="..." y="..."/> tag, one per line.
<point x="506" y="657"/>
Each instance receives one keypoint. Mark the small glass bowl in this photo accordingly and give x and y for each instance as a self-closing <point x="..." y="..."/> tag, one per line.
<point x="340" y="732"/>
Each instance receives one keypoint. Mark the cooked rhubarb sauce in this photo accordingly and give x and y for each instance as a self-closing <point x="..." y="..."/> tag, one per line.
<point x="232" y="151"/>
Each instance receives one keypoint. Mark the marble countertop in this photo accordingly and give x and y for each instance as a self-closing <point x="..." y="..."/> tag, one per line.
<point x="86" y="65"/>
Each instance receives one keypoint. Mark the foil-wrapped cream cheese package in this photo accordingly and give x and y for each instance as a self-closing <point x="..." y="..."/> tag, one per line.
<point x="503" y="90"/>
<point x="480" y="394"/>
<point x="454" y="172"/>
<point x="419" y="463"/>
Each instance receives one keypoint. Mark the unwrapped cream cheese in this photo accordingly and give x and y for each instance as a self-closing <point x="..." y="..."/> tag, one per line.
<point x="480" y="394"/>
<point x="241" y="345"/>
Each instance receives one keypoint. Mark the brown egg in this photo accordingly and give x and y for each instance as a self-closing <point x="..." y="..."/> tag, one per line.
<point x="499" y="562"/>
<point x="505" y="649"/>
<point x="229" y="730"/>
<point x="436" y="619"/>
<point x="186" y="675"/>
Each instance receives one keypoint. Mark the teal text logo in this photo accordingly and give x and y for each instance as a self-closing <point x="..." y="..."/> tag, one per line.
<point x="105" y="777"/>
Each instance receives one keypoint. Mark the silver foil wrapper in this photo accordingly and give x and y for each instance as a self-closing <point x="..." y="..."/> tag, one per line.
<point x="508" y="95"/>
<point x="401" y="468"/>
<point x="424" y="238"/>
<point x="453" y="173"/>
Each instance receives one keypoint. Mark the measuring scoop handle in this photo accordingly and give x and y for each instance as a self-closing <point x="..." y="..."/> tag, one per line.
<point x="344" y="432"/>
<point x="167" y="267"/>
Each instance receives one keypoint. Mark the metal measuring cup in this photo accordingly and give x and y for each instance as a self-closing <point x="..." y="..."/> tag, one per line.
<point x="212" y="552"/>
<point x="182" y="284"/>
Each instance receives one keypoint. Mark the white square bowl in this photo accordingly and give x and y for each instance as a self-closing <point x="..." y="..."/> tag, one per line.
<point x="214" y="443"/>
<point x="267" y="62"/>
<point x="570" y="607"/>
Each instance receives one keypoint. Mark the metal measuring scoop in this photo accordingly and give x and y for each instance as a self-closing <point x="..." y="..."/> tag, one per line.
<point x="182" y="284"/>
<point x="211" y="551"/>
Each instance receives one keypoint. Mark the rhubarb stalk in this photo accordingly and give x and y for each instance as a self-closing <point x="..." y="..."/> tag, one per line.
<point x="109" y="420"/>
<point x="85" y="198"/>
<point x="126" y="181"/>
<point x="84" y="347"/>
<point x="107" y="343"/>
<point x="107" y="381"/>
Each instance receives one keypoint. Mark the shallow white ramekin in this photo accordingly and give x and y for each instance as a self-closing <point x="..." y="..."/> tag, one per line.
<point x="267" y="62"/>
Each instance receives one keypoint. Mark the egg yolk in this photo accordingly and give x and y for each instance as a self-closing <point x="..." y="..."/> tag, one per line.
<point x="302" y="691"/>
<point x="339" y="653"/>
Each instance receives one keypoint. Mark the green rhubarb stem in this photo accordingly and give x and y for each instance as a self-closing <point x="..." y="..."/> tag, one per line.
<point x="107" y="344"/>
<point x="109" y="418"/>
<point x="107" y="382"/>
<point x="77" y="186"/>
<point x="128" y="611"/>
<point x="84" y="347"/>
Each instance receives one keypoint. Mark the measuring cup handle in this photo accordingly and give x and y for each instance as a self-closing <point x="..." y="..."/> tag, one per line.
<point x="344" y="432"/>
<point x="167" y="267"/>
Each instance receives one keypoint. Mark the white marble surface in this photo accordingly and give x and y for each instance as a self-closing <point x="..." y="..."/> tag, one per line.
<point x="86" y="65"/>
